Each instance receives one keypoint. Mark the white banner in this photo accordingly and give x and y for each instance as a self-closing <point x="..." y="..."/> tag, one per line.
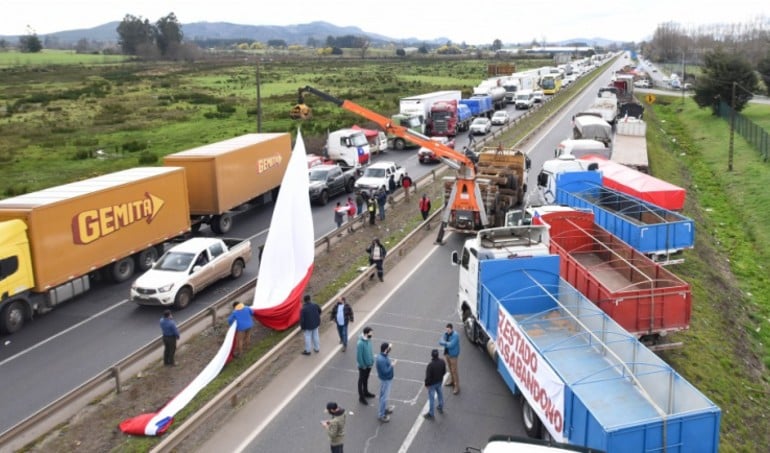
<point x="535" y="378"/>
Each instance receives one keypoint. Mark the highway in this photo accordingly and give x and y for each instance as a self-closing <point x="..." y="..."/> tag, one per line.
<point x="55" y="353"/>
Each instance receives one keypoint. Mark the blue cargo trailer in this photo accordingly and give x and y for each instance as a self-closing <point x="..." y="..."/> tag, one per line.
<point x="590" y="382"/>
<point x="646" y="227"/>
<point x="480" y="105"/>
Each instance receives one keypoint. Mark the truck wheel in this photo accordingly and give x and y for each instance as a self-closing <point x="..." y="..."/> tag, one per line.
<point x="237" y="270"/>
<point x="183" y="298"/>
<point x="122" y="270"/>
<point x="13" y="317"/>
<point x="146" y="258"/>
<point x="469" y="326"/>
<point x="324" y="198"/>
<point x="221" y="224"/>
<point x="529" y="418"/>
<point x="400" y="144"/>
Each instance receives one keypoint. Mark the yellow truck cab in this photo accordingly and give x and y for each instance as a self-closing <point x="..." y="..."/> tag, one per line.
<point x="16" y="276"/>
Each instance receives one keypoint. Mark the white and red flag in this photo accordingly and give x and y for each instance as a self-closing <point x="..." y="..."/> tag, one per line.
<point x="287" y="259"/>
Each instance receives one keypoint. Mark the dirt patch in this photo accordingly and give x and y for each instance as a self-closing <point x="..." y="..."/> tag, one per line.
<point x="95" y="428"/>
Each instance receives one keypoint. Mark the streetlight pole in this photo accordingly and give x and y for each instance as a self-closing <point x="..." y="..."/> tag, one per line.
<point x="259" y="102"/>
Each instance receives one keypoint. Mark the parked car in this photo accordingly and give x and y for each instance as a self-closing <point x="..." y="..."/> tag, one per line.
<point x="525" y="99"/>
<point x="426" y="155"/>
<point x="500" y="118"/>
<point x="481" y="126"/>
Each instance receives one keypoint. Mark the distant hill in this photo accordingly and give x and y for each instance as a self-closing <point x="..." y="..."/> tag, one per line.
<point x="292" y="34"/>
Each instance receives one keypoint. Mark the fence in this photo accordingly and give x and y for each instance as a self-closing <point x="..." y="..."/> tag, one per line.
<point x="753" y="133"/>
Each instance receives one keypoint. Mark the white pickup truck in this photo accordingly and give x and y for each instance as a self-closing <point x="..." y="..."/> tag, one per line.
<point x="376" y="176"/>
<point x="185" y="269"/>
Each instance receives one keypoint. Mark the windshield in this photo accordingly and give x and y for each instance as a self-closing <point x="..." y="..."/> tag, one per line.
<point x="548" y="83"/>
<point x="174" y="261"/>
<point x="318" y="175"/>
<point x="499" y="115"/>
<point x="375" y="172"/>
<point x="480" y="121"/>
<point x="523" y="97"/>
<point x="358" y="140"/>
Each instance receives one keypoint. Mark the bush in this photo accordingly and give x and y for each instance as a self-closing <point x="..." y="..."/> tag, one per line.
<point x="82" y="155"/>
<point x="147" y="158"/>
<point x="133" y="146"/>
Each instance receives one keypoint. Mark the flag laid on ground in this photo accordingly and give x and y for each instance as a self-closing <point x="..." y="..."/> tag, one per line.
<point x="287" y="259"/>
<point x="154" y="424"/>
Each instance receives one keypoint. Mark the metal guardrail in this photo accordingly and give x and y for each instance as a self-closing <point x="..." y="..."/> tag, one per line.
<point x="62" y="409"/>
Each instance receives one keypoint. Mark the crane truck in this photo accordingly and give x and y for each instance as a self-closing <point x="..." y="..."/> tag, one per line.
<point x="470" y="204"/>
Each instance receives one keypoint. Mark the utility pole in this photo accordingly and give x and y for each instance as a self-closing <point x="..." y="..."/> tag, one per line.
<point x="259" y="102"/>
<point x="732" y="130"/>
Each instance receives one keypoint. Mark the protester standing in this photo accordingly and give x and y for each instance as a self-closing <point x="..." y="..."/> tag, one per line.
<point x="391" y="185"/>
<point x="451" y="343"/>
<point x="244" y="318"/>
<point x="170" y="334"/>
<point x="424" y="206"/>
<point x="365" y="362"/>
<point x="352" y="211"/>
<point x="360" y="202"/>
<point x="385" y="372"/>
<point x="406" y="183"/>
<point x="335" y="427"/>
<point x="371" y="207"/>
<point x="309" y="321"/>
<point x="434" y="374"/>
<point x="342" y="314"/>
<point x="339" y="214"/>
<point x="382" y="198"/>
<point x="377" y="254"/>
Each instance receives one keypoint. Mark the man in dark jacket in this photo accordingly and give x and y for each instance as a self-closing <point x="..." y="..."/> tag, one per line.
<point x="342" y="314"/>
<point x="377" y="254"/>
<point x="170" y="336"/>
<point x="385" y="365"/>
<point x="365" y="361"/>
<point x="382" y="198"/>
<point x="434" y="374"/>
<point x="309" y="321"/>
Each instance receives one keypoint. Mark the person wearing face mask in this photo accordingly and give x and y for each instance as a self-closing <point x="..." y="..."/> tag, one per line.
<point x="365" y="361"/>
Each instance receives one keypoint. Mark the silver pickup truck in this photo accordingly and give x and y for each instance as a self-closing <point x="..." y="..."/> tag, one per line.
<point x="185" y="269"/>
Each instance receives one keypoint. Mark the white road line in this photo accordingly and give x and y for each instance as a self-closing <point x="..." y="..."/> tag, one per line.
<point x="253" y="435"/>
<point x="415" y="429"/>
<point x="69" y="329"/>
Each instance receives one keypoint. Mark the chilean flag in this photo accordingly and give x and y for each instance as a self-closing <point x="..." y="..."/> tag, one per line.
<point x="287" y="259"/>
<point x="156" y="423"/>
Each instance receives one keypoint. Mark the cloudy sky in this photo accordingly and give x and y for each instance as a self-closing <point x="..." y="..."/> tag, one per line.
<point x="473" y="22"/>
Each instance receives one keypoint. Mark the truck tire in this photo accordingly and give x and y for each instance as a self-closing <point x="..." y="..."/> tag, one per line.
<point x="530" y="420"/>
<point x="183" y="298"/>
<point x="13" y="316"/>
<point x="469" y="326"/>
<point x="146" y="258"/>
<point x="399" y="144"/>
<point x="122" y="270"/>
<point x="237" y="269"/>
<point x="221" y="224"/>
<point x="323" y="198"/>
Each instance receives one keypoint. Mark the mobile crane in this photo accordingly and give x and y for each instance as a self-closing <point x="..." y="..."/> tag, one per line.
<point x="464" y="207"/>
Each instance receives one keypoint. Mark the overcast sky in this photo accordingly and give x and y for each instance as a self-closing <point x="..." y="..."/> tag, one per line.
<point x="473" y="22"/>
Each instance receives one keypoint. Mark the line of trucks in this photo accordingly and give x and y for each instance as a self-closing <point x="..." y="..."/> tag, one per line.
<point x="54" y="243"/>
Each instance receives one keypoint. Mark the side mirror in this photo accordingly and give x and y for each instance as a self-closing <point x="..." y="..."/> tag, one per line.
<point x="195" y="269"/>
<point x="455" y="258"/>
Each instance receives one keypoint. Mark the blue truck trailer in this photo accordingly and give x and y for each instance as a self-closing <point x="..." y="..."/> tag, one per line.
<point x="583" y="380"/>
<point x="648" y="228"/>
<point x="480" y="105"/>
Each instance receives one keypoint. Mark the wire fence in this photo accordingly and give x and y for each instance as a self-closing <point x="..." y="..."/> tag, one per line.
<point x="752" y="132"/>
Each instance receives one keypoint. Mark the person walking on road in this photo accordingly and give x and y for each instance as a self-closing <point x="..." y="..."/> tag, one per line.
<point x="245" y="321"/>
<point x="309" y="321"/>
<point x="451" y="343"/>
<point x="335" y="427"/>
<point x="382" y="199"/>
<point x="342" y="314"/>
<point x="385" y="372"/>
<point x="377" y="254"/>
<point x="371" y="208"/>
<point x="434" y="375"/>
<point x="170" y="336"/>
<point x="365" y="362"/>
<point x="424" y="206"/>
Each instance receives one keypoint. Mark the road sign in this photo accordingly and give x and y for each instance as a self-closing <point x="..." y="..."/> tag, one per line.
<point x="650" y="98"/>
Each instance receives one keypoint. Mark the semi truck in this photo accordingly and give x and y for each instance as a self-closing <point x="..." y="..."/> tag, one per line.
<point x="497" y="93"/>
<point x="479" y="105"/>
<point x="657" y="232"/>
<point x="591" y="126"/>
<point x="411" y="122"/>
<point x="645" y="298"/>
<point x="606" y="105"/>
<point x="348" y="147"/>
<point x="53" y="242"/>
<point x="420" y="105"/>
<point x="224" y="175"/>
<point x="448" y="118"/>
<point x="582" y="379"/>
<point x="629" y="145"/>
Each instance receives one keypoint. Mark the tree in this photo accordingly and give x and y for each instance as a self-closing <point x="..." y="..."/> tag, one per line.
<point x="134" y="34"/>
<point x="277" y="43"/>
<point x="82" y="46"/>
<point x="423" y="49"/>
<point x="30" y="43"/>
<point x="763" y="67"/>
<point x="312" y="42"/>
<point x="497" y="44"/>
<point x="168" y="35"/>
<point x="720" y="71"/>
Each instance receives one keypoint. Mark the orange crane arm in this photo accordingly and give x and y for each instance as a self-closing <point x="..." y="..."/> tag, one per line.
<point x="441" y="150"/>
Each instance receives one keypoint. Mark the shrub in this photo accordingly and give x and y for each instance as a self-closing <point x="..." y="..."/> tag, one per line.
<point x="133" y="146"/>
<point x="147" y="158"/>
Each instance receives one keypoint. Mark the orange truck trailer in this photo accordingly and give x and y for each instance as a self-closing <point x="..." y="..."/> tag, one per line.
<point x="52" y="242"/>
<point x="224" y="175"/>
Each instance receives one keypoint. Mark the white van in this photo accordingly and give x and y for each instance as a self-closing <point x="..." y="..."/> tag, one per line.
<point x="348" y="147"/>
<point x="582" y="147"/>
<point x="525" y="99"/>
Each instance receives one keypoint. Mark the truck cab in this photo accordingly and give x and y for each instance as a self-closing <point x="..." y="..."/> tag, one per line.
<point x="16" y="276"/>
<point x="348" y="147"/>
<point x="548" y="176"/>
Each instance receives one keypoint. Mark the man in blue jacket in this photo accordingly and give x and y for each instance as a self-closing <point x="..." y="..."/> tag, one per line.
<point x="170" y="336"/>
<point x="244" y="320"/>
<point x="365" y="362"/>
<point x="451" y="343"/>
<point x="385" y="372"/>
<point x="309" y="321"/>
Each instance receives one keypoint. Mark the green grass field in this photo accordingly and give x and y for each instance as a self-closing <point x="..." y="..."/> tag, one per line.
<point x="49" y="57"/>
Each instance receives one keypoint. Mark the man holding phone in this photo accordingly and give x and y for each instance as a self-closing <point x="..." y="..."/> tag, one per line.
<point x="365" y="361"/>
